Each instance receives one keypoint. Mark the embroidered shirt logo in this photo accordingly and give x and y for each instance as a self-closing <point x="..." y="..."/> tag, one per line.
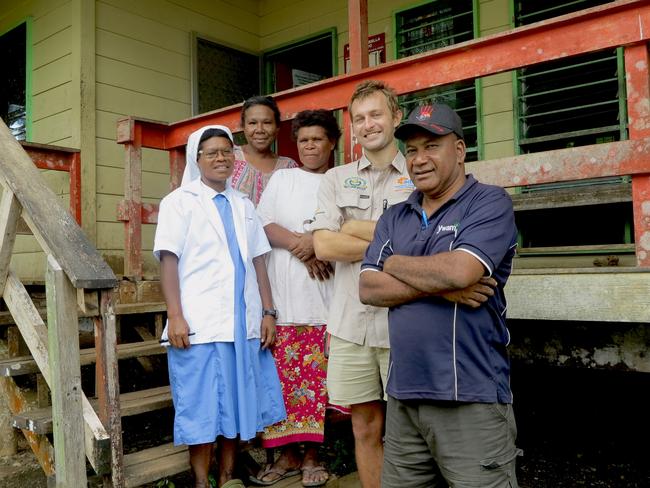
<point x="404" y="183"/>
<point x="447" y="228"/>
<point x="356" y="183"/>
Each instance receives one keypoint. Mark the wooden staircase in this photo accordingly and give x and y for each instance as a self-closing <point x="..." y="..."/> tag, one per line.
<point x="139" y="467"/>
<point x="44" y="337"/>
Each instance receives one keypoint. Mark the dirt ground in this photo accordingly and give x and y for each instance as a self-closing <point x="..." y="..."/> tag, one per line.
<point x="578" y="428"/>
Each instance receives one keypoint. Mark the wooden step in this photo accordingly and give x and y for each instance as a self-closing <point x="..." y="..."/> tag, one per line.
<point x="133" y="403"/>
<point x="25" y="364"/>
<point x="155" y="463"/>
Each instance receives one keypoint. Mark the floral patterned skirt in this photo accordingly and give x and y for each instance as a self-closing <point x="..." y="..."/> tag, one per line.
<point x="302" y="368"/>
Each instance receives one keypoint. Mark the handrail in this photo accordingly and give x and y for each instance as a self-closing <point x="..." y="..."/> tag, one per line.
<point x="59" y="158"/>
<point x="624" y="23"/>
<point x="52" y="225"/>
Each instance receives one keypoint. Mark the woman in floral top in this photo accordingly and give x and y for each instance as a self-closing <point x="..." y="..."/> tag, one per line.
<point x="255" y="161"/>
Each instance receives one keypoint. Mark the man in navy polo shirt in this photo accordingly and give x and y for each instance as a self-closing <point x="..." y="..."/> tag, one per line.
<point x="449" y="417"/>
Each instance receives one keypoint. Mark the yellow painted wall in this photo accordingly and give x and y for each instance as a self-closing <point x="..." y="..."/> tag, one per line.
<point x="497" y="96"/>
<point x="142" y="67"/>
<point x="51" y="101"/>
<point x="284" y="21"/>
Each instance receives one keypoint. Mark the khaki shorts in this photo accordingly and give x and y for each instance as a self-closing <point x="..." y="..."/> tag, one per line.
<point x="356" y="374"/>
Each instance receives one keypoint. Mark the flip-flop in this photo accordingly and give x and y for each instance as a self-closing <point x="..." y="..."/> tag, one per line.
<point x="270" y="469"/>
<point x="234" y="483"/>
<point x="310" y="470"/>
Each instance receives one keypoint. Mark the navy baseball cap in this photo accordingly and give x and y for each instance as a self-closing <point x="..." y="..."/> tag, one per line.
<point x="438" y="119"/>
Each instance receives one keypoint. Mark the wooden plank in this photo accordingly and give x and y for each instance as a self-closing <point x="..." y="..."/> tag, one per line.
<point x="133" y="403"/>
<point x="155" y="463"/>
<point x="65" y="377"/>
<point x="39" y="444"/>
<point x="133" y="197"/>
<point x="145" y="362"/>
<point x="587" y="249"/>
<point x="34" y="333"/>
<point x="120" y="309"/>
<point x="598" y="295"/>
<point x="107" y="383"/>
<point x="572" y="197"/>
<point x="358" y="33"/>
<point x="135" y="308"/>
<point x="637" y="77"/>
<point x="176" y="167"/>
<point x="9" y="217"/>
<point x="25" y="364"/>
<point x="577" y="163"/>
<point x="52" y="225"/>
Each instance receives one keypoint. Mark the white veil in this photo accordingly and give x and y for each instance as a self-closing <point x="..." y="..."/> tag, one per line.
<point x="191" y="167"/>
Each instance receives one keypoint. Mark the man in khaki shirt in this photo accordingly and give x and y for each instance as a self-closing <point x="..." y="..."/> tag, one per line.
<point x="350" y="200"/>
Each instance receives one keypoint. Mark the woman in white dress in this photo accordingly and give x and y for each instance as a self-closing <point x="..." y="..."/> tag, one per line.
<point x="301" y="290"/>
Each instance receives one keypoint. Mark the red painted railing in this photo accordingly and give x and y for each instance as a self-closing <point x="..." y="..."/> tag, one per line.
<point x="59" y="158"/>
<point x="624" y="23"/>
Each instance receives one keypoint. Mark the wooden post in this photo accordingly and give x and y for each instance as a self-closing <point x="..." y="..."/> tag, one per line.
<point x="133" y="198"/>
<point x="9" y="216"/>
<point x="159" y="325"/>
<point x="75" y="186"/>
<point x="65" y="378"/>
<point x="176" y="167"/>
<point x="358" y="31"/>
<point x="107" y="385"/>
<point x="39" y="443"/>
<point x="638" y="108"/>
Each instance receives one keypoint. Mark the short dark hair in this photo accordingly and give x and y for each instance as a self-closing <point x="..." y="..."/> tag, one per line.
<point x="209" y="134"/>
<point x="260" y="100"/>
<point x="321" y="118"/>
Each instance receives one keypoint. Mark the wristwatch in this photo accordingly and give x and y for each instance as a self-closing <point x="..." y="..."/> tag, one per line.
<point x="270" y="311"/>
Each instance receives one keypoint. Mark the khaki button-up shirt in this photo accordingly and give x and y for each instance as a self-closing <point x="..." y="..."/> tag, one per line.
<point x="357" y="191"/>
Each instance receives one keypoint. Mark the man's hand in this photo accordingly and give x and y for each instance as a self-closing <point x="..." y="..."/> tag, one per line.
<point x="318" y="270"/>
<point x="474" y="295"/>
<point x="268" y="332"/>
<point x="178" y="332"/>
<point x="303" y="247"/>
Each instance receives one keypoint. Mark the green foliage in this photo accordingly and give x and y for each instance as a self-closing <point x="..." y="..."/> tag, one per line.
<point x="165" y="483"/>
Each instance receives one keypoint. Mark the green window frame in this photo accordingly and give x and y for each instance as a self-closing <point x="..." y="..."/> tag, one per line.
<point x="567" y="103"/>
<point x="433" y="25"/>
<point x="18" y="116"/>
<point x="552" y="109"/>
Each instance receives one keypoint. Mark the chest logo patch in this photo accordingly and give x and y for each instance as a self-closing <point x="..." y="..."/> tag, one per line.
<point x="447" y="228"/>
<point x="356" y="183"/>
<point x="404" y="183"/>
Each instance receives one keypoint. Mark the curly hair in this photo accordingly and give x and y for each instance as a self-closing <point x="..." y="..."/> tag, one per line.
<point x="368" y="87"/>
<point x="321" y="118"/>
<point x="266" y="101"/>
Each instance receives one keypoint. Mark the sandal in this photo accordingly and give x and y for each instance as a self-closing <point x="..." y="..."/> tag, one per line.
<point x="234" y="483"/>
<point x="270" y="469"/>
<point x="310" y="471"/>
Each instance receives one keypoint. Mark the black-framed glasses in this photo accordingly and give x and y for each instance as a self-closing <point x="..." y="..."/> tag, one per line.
<point x="212" y="155"/>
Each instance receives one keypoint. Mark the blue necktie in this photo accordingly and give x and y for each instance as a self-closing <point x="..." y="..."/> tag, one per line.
<point x="223" y="206"/>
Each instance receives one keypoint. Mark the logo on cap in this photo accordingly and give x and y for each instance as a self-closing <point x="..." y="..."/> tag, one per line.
<point x="425" y="112"/>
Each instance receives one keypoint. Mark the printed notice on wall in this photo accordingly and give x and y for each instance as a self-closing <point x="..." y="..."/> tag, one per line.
<point x="376" y="51"/>
<point x="301" y="77"/>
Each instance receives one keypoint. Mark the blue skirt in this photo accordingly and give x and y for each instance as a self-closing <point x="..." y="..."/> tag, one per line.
<point x="223" y="388"/>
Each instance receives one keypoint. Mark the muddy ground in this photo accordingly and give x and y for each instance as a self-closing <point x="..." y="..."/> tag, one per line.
<point x="578" y="428"/>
